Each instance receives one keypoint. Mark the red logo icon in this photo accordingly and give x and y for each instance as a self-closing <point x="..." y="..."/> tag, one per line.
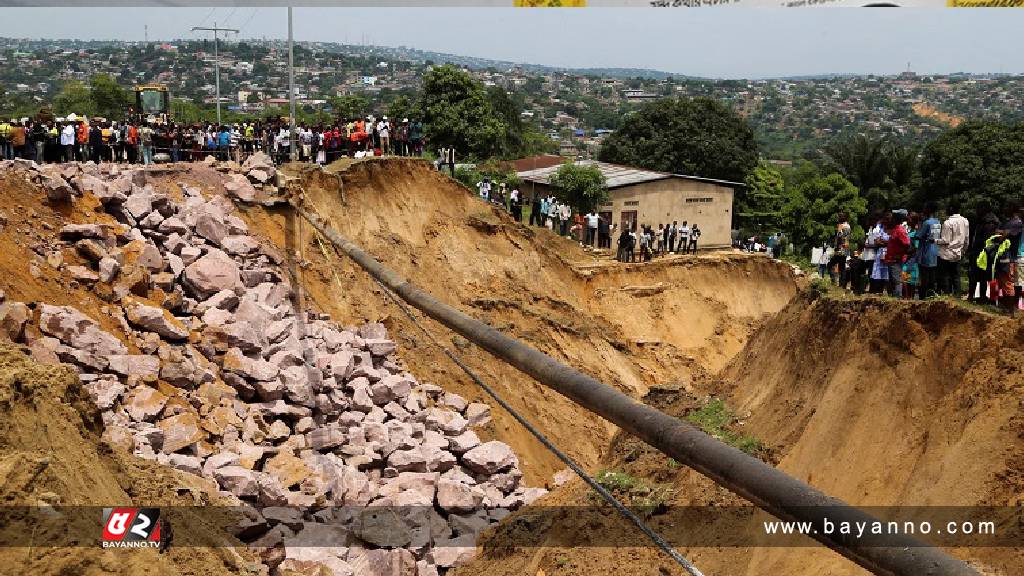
<point x="131" y="528"/>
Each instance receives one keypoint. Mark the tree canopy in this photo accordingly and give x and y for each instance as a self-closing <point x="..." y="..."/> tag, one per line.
<point x="813" y="202"/>
<point x="699" y="136"/>
<point x="583" y="187"/>
<point x="75" y="97"/>
<point x="884" y="170"/>
<point x="760" y="210"/>
<point x="109" y="99"/>
<point x="974" y="167"/>
<point x="457" y="113"/>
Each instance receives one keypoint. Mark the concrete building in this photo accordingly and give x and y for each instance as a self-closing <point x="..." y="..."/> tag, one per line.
<point x="646" y="197"/>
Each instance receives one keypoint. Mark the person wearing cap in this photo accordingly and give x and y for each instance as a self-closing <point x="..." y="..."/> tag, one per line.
<point x="67" y="141"/>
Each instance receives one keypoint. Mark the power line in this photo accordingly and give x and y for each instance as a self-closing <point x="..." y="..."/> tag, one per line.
<point x="230" y="14"/>
<point x="254" y="11"/>
<point x="212" y="10"/>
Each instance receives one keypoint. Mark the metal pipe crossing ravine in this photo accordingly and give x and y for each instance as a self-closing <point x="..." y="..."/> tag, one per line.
<point x="765" y="486"/>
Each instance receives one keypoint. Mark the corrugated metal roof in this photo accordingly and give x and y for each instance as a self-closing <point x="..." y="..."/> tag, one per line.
<point x="617" y="176"/>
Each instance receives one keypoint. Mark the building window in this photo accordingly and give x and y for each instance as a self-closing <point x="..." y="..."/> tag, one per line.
<point x="701" y="200"/>
<point x="632" y="202"/>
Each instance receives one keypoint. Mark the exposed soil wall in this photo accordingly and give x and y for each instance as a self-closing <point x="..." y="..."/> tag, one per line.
<point x="631" y="326"/>
<point x="877" y="402"/>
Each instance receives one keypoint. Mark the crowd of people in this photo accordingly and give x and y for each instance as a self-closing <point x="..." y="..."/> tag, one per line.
<point x="79" y="139"/>
<point x="635" y="244"/>
<point x="646" y="244"/>
<point x="920" y="255"/>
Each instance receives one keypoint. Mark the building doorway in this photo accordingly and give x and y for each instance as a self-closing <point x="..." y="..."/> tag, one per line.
<point x="628" y="219"/>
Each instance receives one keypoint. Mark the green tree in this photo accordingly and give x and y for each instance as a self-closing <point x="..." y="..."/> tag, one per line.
<point x="401" y="107"/>
<point x="975" y="166"/>
<point x="698" y="136"/>
<point x="809" y="213"/>
<point x="457" y="113"/>
<point x="349" y="106"/>
<point x="760" y="211"/>
<point x="74" y="97"/>
<point x="109" y="99"/>
<point x="582" y="186"/>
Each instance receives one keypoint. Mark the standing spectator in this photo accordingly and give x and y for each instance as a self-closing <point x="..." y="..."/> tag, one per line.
<point x="38" y="141"/>
<point x="67" y="141"/>
<point x="536" y="209"/>
<point x="684" y="238"/>
<point x="694" y="237"/>
<point x="603" y="233"/>
<point x="988" y="224"/>
<point x="928" y="235"/>
<point x="95" y="143"/>
<point x="146" y="143"/>
<point x="840" y="249"/>
<point x="384" y="134"/>
<point x="82" y="139"/>
<point x="515" y="204"/>
<point x="951" y="243"/>
<point x="673" y="229"/>
<point x="896" y="251"/>
<point x="592" y="223"/>
<point x="6" y="149"/>
<point x="484" y="189"/>
<point x="1014" y="228"/>
<point x="564" y="212"/>
<point x="416" y="137"/>
<point x="18" y="140"/>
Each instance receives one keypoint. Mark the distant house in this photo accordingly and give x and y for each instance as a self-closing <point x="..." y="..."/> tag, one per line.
<point x="637" y="95"/>
<point x="646" y="197"/>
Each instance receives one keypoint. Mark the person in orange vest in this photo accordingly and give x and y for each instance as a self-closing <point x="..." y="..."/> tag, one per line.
<point x="83" y="141"/>
<point x="132" y="143"/>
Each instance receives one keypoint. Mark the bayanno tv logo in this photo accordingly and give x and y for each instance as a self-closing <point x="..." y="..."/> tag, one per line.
<point x="131" y="528"/>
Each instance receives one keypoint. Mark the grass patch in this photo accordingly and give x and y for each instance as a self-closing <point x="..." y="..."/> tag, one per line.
<point x="635" y="492"/>
<point x="716" y="419"/>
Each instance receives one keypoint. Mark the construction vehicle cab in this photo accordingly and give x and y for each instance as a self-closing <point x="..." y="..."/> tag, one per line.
<point x="153" y="103"/>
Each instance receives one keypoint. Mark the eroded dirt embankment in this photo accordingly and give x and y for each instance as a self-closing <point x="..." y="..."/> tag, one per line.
<point x="51" y="455"/>
<point x="630" y="326"/>
<point x="877" y="402"/>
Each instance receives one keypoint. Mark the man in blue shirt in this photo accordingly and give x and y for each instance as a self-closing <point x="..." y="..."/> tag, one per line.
<point x="223" y="143"/>
<point x="928" y="252"/>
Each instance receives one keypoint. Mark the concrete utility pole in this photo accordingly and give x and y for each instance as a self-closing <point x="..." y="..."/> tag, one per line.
<point x="216" y="57"/>
<point x="291" y="89"/>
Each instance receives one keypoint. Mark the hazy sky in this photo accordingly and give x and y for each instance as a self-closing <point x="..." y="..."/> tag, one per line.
<point x="720" y="43"/>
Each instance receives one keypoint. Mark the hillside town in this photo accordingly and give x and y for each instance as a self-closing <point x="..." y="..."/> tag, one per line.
<point x="792" y="118"/>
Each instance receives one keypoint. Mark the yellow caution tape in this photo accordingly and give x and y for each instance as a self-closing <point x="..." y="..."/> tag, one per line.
<point x="549" y="3"/>
<point x="985" y="3"/>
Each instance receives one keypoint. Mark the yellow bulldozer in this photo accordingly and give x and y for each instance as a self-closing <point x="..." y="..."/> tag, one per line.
<point x="153" y="103"/>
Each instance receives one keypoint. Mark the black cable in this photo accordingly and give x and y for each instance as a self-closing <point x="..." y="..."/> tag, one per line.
<point x="568" y="461"/>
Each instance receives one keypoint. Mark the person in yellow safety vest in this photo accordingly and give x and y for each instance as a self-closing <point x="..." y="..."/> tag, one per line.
<point x="6" y="150"/>
<point x="996" y="260"/>
<point x="249" y="138"/>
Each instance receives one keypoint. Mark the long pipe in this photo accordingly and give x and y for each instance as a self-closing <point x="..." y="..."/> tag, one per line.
<point x="767" y="487"/>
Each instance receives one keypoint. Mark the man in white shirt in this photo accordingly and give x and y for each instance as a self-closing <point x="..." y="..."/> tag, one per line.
<point x="564" y="212"/>
<point x="952" y="240"/>
<point x="67" y="141"/>
<point x="592" y="222"/>
<point x="384" y="130"/>
<point x="684" y="238"/>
